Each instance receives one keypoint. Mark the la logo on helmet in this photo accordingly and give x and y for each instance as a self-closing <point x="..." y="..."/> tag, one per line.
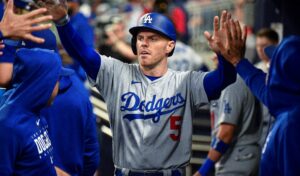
<point x="147" y="19"/>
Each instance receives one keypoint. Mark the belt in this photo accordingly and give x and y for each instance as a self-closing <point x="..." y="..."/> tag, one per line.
<point x="118" y="172"/>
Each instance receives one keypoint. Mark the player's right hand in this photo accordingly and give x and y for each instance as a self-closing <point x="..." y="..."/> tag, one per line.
<point x="58" y="9"/>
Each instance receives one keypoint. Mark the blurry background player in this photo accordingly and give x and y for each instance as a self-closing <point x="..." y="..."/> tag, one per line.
<point x="236" y="121"/>
<point x="71" y="120"/>
<point x="265" y="37"/>
<point x="25" y="145"/>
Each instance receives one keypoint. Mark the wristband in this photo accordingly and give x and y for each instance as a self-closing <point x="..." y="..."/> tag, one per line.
<point x="63" y="21"/>
<point x="206" y="167"/>
<point x="219" y="145"/>
<point x="10" y="42"/>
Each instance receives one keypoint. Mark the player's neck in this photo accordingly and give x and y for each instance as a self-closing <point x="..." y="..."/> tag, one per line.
<point x="156" y="72"/>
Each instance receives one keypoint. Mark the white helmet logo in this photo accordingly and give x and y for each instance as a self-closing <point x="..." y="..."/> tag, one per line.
<point x="147" y="19"/>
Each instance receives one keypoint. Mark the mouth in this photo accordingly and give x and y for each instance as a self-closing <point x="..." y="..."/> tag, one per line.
<point x="144" y="53"/>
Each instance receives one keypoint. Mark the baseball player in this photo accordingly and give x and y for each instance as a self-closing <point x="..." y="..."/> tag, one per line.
<point x="150" y="106"/>
<point x="280" y="93"/>
<point x="236" y="119"/>
<point x="25" y="145"/>
<point x="77" y="154"/>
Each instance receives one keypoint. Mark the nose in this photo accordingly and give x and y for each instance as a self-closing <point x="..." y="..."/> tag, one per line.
<point x="144" y="43"/>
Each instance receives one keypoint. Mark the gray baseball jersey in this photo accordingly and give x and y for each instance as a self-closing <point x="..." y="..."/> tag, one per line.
<point x="239" y="107"/>
<point x="150" y="120"/>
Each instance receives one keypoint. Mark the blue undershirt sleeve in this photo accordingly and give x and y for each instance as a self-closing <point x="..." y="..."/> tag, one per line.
<point x="254" y="78"/>
<point x="88" y="58"/>
<point x="215" y="81"/>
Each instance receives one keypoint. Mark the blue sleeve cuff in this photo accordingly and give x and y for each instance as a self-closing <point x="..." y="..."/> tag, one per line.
<point x="219" y="145"/>
<point x="207" y="166"/>
<point x="9" y="51"/>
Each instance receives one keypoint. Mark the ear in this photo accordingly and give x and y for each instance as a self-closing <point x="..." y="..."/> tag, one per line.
<point x="170" y="46"/>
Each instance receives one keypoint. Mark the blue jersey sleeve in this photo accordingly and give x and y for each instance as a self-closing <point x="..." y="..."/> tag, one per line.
<point x="88" y="58"/>
<point x="215" y="81"/>
<point x="91" y="150"/>
<point x="254" y="78"/>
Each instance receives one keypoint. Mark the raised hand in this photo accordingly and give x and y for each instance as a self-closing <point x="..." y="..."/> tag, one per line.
<point x="234" y="49"/>
<point x="56" y="8"/>
<point x="219" y="34"/>
<point x="21" y="26"/>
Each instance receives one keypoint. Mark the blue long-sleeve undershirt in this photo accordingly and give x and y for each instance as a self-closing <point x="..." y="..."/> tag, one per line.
<point x="254" y="78"/>
<point x="88" y="58"/>
<point x="215" y="81"/>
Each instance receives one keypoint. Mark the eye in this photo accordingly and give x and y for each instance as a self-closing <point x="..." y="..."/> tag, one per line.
<point x="154" y="38"/>
<point x="139" y="38"/>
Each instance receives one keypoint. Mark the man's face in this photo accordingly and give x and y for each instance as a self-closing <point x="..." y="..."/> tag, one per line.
<point x="152" y="48"/>
<point x="261" y="43"/>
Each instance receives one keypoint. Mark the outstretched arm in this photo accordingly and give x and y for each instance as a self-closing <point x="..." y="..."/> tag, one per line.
<point x="21" y="26"/>
<point x="254" y="78"/>
<point x="88" y="58"/>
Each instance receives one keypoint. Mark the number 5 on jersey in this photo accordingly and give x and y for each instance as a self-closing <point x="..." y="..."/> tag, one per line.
<point x="175" y="126"/>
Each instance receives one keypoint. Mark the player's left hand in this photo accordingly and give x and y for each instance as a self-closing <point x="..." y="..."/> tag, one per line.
<point x="58" y="9"/>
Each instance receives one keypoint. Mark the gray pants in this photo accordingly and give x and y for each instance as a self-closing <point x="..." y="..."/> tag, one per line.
<point x="241" y="161"/>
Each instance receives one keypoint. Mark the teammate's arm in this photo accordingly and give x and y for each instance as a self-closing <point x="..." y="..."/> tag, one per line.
<point x="225" y="134"/>
<point x="21" y="26"/>
<point x="254" y="78"/>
